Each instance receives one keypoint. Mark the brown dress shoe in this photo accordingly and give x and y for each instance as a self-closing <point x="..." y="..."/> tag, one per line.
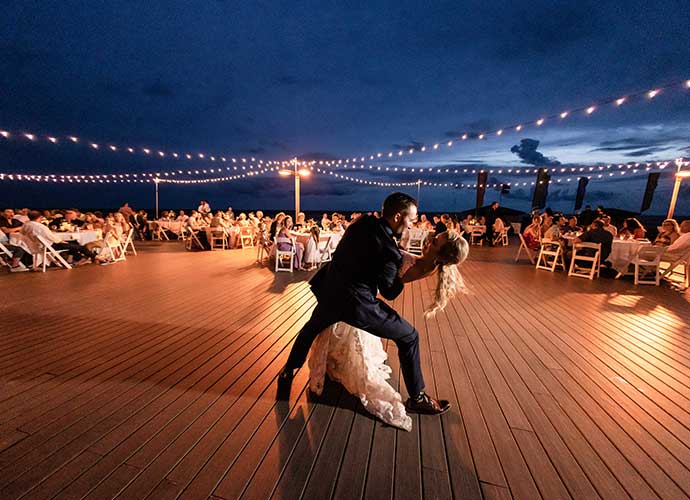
<point x="427" y="405"/>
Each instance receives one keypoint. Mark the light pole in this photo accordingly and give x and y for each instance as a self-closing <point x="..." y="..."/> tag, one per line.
<point x="157" y="181"/>
<point x="680" y="175"/>
<point x="302" y="172"/>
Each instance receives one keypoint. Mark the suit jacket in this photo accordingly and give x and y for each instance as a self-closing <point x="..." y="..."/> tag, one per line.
<point x="366" y="261"/>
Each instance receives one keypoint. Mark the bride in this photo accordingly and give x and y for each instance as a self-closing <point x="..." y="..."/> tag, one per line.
<point x="357" y="359"/>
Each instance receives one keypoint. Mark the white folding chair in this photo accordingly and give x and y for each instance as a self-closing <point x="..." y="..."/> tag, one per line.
<point x="6" y="257"/>
<point x="113" y="245"/>
<point x="416" y="241"/>
<point x="682" y="262"/>
<point x="129" y="242"/>
<point x="285" y="256"/>
<point x="582" y="253"/>
<point x="218" y="234"/>
<point x="524" y="248"/>
<point x="477" y="236"/>
<point x="191" y="239"/>
<point x="325" y="249"/>
<point x="264" y="247"/>
<point x="648" y="258"/>
<point x="502" y="238"/>
<point x="516" y="227"/>
<point x="49" y="253"/>
<point x="550" y="256"/>
<point x="246" y="237"/>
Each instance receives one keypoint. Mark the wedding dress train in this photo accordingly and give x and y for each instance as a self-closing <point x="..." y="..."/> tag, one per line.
<point x="356" y="359"/>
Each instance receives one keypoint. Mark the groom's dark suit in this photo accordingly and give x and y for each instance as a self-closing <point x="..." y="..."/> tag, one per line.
<point x="367" y="259"/>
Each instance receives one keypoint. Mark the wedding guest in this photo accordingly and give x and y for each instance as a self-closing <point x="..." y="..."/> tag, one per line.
<point x="632" y="229"/>
<point x="532" y="233"/>
<point x="546" y="222"/>
<point x="606" y="219"/>
<point x="300" y="222"/>
<point x="126" y="210"/>
<point x="91" y="222"/>
<point x="325" y="222"/>
<point x="204" y="208"/>
<point x="8" y="224"/>
<point x="182" y="217"/>
<point x="681" y="246"/>
<point x="597" y="234"/>
<point x="491" y="216"/>
<point x="444" y="224"/>
<point x="230" y="214"/>
<point x="573" y="226"/>
<point x="196" y="225"/>
<point x="312" y="255"/>
<point x="557" y="228"/>
<point x="17" y="254"/>
<point x="670" y="232"/>
<point x="22" y="215"/>
<point x="275" y="225"/>
<point x="34" y="228"/>
<point x="587" y="216"/>
<point x="284" y="239"/>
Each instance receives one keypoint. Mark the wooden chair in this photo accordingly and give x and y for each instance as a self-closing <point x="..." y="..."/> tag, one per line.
<point x="6" y="257"/>
<point x="647" y="258"/>
<point x="264" y="247"/>
<point x="113" y="245"/>
<point x="477" y="236"/>
<point x="218" y="234"/>
<point x="246" y="237"/>
<point x="550" y="256"/>
<point x="129" y="243"/>
<point x="325" y="249"/>
<point x="682" y="262"/>
<point x="502" y="238"/>
<point x="524" y="248"/>
<point x="50" y="254"/>
<point x="192" y="240"/>
<point x="285" y="256"/>
<point x="582" y="253"/>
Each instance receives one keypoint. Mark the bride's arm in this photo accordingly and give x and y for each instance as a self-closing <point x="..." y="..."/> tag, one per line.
<point x="420" y="269"/>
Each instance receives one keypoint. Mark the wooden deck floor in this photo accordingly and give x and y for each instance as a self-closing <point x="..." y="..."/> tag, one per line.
<point x="156" y="378"/>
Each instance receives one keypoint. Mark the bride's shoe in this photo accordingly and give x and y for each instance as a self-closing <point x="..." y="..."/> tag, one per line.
<point x="427" y="405"/>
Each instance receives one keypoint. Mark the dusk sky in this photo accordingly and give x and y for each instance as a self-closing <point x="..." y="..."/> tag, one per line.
<point x="325" y="80"/>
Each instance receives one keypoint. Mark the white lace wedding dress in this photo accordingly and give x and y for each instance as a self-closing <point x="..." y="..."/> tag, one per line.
<point x="356" y="359"/>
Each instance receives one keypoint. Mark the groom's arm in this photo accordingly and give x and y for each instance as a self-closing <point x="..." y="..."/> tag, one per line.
<point x="389" y="283"/>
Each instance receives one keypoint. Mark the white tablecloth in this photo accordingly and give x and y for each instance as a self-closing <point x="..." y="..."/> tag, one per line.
<point x="81" y="237"/>
<point x="623" y="252"/>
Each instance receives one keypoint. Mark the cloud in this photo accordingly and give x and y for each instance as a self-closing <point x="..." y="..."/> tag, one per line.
<point x="527" y="151"/>
<point x="417" y="146"/>
<point x="645" y="152"/>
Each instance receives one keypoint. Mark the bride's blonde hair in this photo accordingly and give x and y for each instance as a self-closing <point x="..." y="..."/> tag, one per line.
<point x="450" y="281"/>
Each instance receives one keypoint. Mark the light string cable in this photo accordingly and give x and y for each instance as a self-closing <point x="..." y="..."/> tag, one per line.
<point x="647" y="95"/>
<point x="131" y="178"/>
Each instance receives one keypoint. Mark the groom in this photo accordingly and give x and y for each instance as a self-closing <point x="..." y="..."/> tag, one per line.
<point x="367" y="261"/>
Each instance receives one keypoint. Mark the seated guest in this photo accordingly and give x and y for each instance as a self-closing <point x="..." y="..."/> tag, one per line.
<point x="444" y="223"/>
<point x="532" y="233"/>
<point x="681" y="246"/>
<point x="546" y="222"/>
<point x="597" y="234"/>
<point x="284" y="239"/>
<point x="632" y="229"/>
<point x="34" y="228"/>
<point x="8" y="224"/>
<point x="127" y="211"/>
<point x="72" y="218"/>
<point x="141" y="226"/>
<point x="219" y="221"/>
<point x="300" y="222"/>
<point x="22" y="215"/>
<point x="424" y="223"/>
<point x="572" y="226"/>
<point x="16" y="251"/>
<point x="670" y="232"/>
<point x="91" y="222"/>
<point x="242" y="220"/>
<point x="325" y="222"/>
<point x="204" y="208"/>
<point x="182" y="217"/>
<point x="557" y="228"/>
<point x="195" y="224"/>
<point x="608" y="226"/>
<point x="275" y="225"/>
<point x="498" y="226"/>
<point x="230" y="214"/>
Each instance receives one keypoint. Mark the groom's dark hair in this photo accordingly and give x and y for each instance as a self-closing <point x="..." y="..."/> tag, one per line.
<point x="397" y="203"/>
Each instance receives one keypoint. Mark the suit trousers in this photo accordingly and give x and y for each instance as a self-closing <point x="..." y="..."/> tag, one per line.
<point x="378" y="319"/>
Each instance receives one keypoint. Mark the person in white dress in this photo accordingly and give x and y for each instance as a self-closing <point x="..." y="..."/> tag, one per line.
<point x="357" y="359"/>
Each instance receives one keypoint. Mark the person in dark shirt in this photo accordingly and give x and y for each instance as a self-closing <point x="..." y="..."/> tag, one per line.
<point x="597" y="234"/>
<point x="8" y="224"/>
<point x="444" y="224"/>
<point x="275" y="225"/>
<point x="491" y="216"/>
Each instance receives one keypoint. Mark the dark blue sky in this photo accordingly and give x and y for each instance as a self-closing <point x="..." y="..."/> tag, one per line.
<point x="337" y="79"/>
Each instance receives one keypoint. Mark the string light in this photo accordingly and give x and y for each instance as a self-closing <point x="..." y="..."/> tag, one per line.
<point x="589" y="110"/>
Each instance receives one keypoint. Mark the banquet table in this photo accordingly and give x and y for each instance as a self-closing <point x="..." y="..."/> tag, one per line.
<point x="81" y="237"/>
<point x="323" y="235"/>
<point x="623" y="252"/>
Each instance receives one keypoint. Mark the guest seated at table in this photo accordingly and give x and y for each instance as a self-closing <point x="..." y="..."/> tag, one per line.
<point x="219" y="221"/>
<point x="498" y="226"/>
<point x="572" y="226"/>
<point x="8" y="224"/>
<point x="670" y="232"/>
<point x="632" y="229"/>
<point x="284" y="240"/>
<point x="597" y="234"/>
<point x="681" y="246"/>
<point x="300" y="222"/>
<point x="424" y="223"/>
<point x="325" y="222"/>
<point x="229" y="214"/>
<point x="557" y="228"/>
<point x="34" y="228"/>
<point x="546" y="222"/>
<point x="17" y="254"/>
<point x="608" y="226"/>
<point x="22" y="215"/>
<point x="444" y="223"/>
<point x="532" y="233"/>
<point x="195" y="224"/>
<point x="91" y="222"/>
<point x="275" y="225"/>
<point x="182" y="217"/>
